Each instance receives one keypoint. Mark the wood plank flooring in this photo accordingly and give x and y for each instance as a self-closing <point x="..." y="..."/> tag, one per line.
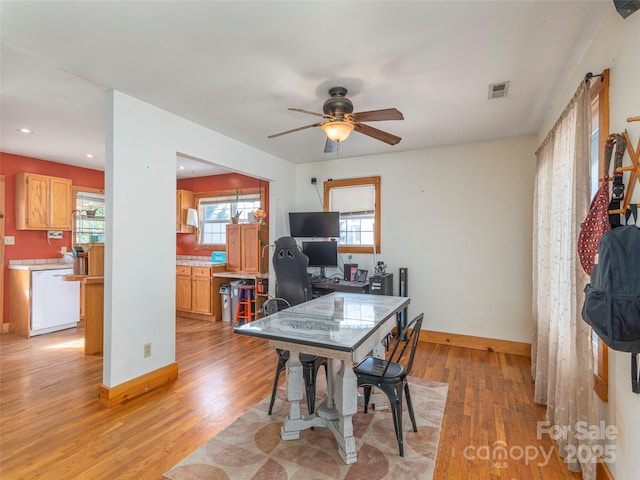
<point x="52" y="427"/>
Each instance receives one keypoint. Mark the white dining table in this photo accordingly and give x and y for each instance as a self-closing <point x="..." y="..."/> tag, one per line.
<point x="344" y="328"/>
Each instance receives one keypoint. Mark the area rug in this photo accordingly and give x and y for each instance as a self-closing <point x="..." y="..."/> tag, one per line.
<point x="251" y="448"/>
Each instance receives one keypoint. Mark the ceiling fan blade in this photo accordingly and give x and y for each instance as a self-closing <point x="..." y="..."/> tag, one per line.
<point x="300" y="110"/>
<point x="295" y="130"/>
<point x="377" y="134"/>
<point x="377" y="115"/>
<point x="330" y="146"/>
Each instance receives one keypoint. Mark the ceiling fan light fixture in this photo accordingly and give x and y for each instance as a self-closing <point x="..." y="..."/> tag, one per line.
<point x="338" y="131"/>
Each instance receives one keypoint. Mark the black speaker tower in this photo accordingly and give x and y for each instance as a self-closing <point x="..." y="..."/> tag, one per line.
<point x="401" y="319"/>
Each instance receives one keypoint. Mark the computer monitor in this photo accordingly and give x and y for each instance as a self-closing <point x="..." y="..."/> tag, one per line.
<point x="321" y="254"/>
<point x="314" y="224"/>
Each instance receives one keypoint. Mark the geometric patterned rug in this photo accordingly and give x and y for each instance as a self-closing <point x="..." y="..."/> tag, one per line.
<point x="251" y="448"/>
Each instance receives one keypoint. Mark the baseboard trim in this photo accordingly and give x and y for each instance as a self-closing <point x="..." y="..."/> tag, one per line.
<point x="477" y="343"/>
<point x="110" y="396"/>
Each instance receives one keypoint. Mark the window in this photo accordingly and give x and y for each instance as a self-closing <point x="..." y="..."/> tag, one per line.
<point x="600" y="126"/>
<point x="215" y="210"/>
<point x="358" y="201"/>
<point x="88" y="218"/>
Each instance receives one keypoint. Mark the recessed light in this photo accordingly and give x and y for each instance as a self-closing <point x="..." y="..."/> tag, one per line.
<point x="90" y="155"/>
<point x="180" y="167"/>
<point x="25" y="130"/>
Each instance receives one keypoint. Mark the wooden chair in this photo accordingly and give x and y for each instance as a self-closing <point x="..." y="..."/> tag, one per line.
<point x="391" y="377"/>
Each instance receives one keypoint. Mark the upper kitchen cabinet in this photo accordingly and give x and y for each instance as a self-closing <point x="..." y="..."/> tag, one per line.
<point x="245" y="242"/>
<point x="184" y="201"/>
<point x="43" y="202"/>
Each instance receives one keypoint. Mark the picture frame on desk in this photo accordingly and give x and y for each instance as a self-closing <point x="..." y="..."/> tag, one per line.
<point x="352" y="274"/>
<point x="360" y="275"/>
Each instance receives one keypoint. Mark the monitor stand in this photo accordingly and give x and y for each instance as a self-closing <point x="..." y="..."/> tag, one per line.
<point x="322" y="273"/>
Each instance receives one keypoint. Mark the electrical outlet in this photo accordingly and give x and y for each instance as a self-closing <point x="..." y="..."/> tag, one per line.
<point x="63" y="250"/>
<point x="147" y="350"/>
<point x="9" y="240"/>
<point x="313" y="180"/>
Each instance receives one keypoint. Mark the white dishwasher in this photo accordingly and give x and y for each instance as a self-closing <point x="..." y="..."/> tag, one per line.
<point x="55" y="303"/>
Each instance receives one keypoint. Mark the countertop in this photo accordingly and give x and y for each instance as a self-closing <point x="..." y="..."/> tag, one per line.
<point x="199" y="263"/>
<point x="240" y="275"/>
<point x="40" y="266"/>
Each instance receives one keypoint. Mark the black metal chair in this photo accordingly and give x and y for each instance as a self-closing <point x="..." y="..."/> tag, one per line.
<point x="310" y="363"/>
<point x="391" y="377"/>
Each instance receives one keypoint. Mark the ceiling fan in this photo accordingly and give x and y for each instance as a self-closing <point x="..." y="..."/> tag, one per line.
<point x="341" y="120"/>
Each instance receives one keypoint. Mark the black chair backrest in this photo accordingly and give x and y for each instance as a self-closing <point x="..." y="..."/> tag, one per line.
<point x="290" y="266"/>
<point x="407" y="336"/>
<point x="274" y="305"/>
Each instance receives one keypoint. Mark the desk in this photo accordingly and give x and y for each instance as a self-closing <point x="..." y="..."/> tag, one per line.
<point x="225" y="277"/>
<point x="345" y="336"/>
<point x="329" y="285"/>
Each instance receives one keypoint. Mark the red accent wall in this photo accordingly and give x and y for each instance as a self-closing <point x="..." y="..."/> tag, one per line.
<point x="185" y="242"/>
<point x="34" y="244"/>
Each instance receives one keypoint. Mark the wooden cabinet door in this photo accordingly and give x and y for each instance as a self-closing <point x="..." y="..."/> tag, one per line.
<point x="60" y="203"/>
<point x="183" y="289"/>
<point x="250" y="247"/>
<point x="201" y="300"/>
<point x="184" y="201"/>
<point x="32" y="200"/>
<point x="234" y="248"/>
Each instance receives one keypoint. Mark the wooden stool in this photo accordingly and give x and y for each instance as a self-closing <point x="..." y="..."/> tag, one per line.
<point x="246" y="302"/>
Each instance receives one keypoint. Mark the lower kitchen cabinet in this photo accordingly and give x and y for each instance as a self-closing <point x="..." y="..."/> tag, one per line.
<point x="183" y="289"/>
<point x="201" y="291"/>
<point x="194" y="290"/>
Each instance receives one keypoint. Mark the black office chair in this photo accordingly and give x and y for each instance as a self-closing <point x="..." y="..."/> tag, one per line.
<point x="310" y="363"/>
<point x="391" y="377"/>
<point x="290" y="266"/>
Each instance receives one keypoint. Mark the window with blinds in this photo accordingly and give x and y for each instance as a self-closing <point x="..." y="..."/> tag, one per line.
<point x="89" y="218"/>
<point x="358" y="201"/>
<point x="215" y="213"/>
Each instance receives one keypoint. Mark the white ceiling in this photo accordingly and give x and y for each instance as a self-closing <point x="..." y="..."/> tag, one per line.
<point x="236" y="66"/>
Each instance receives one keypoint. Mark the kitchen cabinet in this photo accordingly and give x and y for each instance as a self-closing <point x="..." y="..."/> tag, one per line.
<point x="183" y="288"/>
<point x="244" y="247"/>
<point x="184" y="201"/>
<point x="43" y="202"/>
<point x="194" y="290"/>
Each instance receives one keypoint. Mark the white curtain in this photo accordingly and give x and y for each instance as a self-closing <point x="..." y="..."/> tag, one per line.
<point x="562" y="358"/>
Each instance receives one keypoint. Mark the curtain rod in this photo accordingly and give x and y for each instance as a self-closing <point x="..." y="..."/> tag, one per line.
<point x="590" y="75"/>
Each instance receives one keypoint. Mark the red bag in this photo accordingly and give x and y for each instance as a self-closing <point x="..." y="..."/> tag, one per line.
<point x="597" y="221"/>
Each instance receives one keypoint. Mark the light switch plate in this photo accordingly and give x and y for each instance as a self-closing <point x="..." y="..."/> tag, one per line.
<point x="9" y="240"/>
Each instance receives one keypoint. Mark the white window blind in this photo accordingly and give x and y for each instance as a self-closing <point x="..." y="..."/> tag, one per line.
<point x="354" y="200"/>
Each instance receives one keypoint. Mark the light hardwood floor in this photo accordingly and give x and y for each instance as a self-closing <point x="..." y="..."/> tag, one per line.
<point x="52" y="426"/>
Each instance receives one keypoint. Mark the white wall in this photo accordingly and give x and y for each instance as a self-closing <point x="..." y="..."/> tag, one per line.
<point x="616" y="47"/>
<point x="140" y="181"/>
<point x="460" y="219"/>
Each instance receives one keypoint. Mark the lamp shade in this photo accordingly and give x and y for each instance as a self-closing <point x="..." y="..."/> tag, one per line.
<point x="192" y="217"/>
<point x="337" y="131"/>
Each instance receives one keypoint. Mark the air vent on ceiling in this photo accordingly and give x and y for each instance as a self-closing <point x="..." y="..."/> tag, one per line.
<point x="498" y="90"/>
